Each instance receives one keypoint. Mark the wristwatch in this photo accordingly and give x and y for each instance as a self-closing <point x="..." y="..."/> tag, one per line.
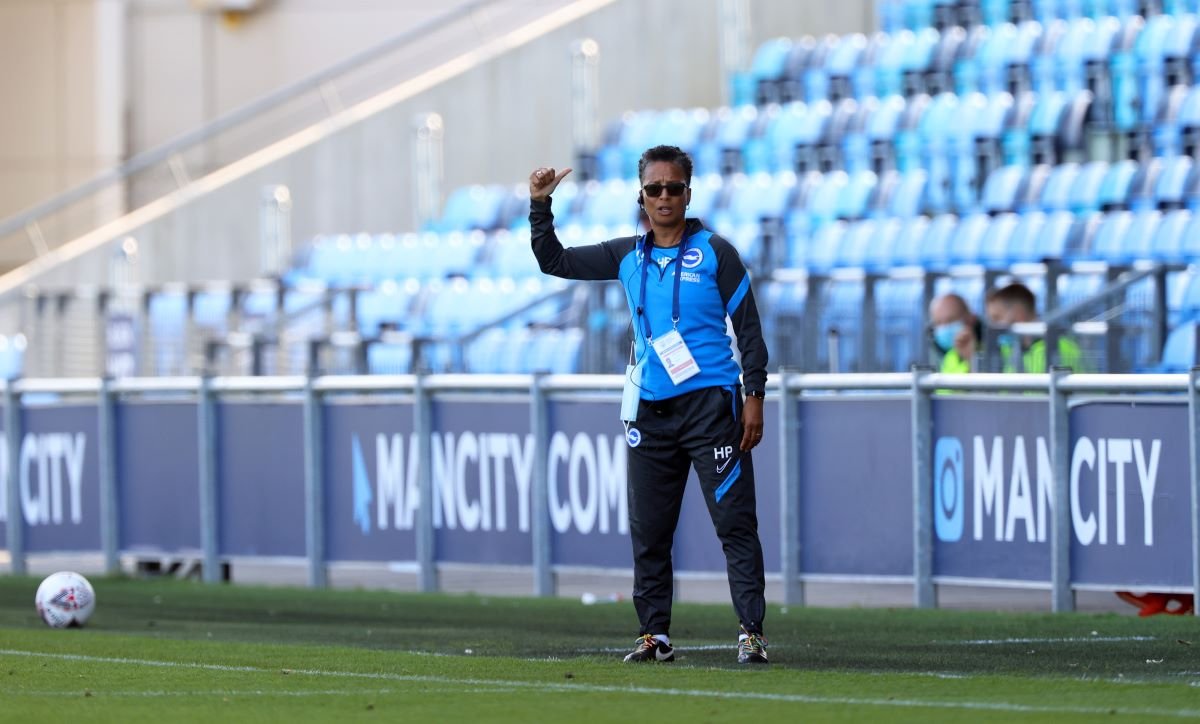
<point x="756" y="393"/>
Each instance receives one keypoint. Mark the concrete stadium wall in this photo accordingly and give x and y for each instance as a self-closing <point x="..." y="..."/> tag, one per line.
<point x="501" y="119"/>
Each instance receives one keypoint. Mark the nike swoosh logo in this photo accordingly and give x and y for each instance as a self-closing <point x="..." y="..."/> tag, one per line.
<point x="721" y="468"/>
<point x="661" y="655"/>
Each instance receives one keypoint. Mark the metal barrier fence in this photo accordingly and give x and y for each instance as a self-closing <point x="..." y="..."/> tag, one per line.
<point x="871" y="474"/>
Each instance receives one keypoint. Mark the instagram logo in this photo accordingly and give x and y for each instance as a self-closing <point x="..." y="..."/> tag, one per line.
<point x="948" y="489"/>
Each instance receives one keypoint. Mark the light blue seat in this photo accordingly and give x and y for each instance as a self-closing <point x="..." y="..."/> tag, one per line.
<point x="1135" y="245"/>
<point x="1048" y="241"/>
<point x="471" y="207"/>
<point x="1000" y="190"/>
<point x="720" y="149"/>
<point x="916" y="61"/>
<point x="993" y="247"/>
<point x="1122" y="67"/>
<point x="1167" y="243"/>
<point x="822" y="249"/>
<point x="1079" y="241"/>
<point x="1085" y="191"/>
<point x="680" y="127"/>
<point x="1170" y="185"/>
<point x="753" y="198"/>
<point x="841" y="320"/>
<point x="1056" y="193"/>
<point x="889" y="63"/>
<point x="12" y="356"/>
<point x="706" y="193"/>
<point x="491" y="352"/>
<point x="1166" y="132"/>
<point x="1179" y="351"/>
<point x="387" y="306"/>
<point x="882" y="128"/>
<point x="833" y="80"/>
<point x="899" y="319"/>
<point x="790" y="140"/>
<point x="1021" y="245"/>
<point x="906" y="251"/>
<point x="1150" y="55"/>
<point x="1115" y="188"/>
<point x="936" y="247"/>
<point x="166" y="320"/>
<point x="1107" y="244"/>
<point x="856" y="194"/>
<point x="768" y="66"/>
<point x="511" y="255"/>
<point x="908" y="197"/>
<point x="211" y="309"/>
<point x="393" y="358"/>
<point x="609" y="203"/>
<point x="934" y="135"/>
<point x="967" y="242"/>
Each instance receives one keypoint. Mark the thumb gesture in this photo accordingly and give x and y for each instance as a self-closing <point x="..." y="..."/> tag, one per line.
<point x="543" y="181"/>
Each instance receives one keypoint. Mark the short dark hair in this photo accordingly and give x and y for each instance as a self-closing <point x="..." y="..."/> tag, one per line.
<point x="1015" y="293"/>
<point x="670" y="154"/>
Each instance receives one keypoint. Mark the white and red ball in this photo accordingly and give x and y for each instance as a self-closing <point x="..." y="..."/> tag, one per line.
<point x="65" y="599"/>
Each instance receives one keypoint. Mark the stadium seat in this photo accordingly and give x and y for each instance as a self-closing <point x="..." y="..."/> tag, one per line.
<point x="993" y="250"/>
<point x="965" y="245"/>
<point x="471" y="207"/>
<point x="1167" y="243"/>
<point x="1179" y="352"/>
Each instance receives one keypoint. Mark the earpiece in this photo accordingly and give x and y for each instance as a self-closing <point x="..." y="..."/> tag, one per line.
<point x="641" y="201"/>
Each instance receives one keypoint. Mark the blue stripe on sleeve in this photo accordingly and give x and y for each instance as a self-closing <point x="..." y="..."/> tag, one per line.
<point x="738" y="295"/>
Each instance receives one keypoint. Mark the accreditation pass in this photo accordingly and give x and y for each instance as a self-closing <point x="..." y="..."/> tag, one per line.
<point x="675" y="356"/>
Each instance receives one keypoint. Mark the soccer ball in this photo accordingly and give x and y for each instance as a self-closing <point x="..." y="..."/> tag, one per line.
<point x="65" y="599"/>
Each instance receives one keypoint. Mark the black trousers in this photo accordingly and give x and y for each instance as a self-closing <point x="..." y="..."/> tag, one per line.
<point x="700" y="429"/>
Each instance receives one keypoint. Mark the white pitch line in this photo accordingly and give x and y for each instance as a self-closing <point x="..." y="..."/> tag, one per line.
<point x="741" y="695"/>
<point x="1073" y="640"/>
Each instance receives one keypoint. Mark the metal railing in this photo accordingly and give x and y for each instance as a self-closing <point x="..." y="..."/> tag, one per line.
<point x="787" y="389"/>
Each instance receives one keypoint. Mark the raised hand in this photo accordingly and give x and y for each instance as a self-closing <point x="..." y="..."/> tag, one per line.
<point x="543" y="181"/>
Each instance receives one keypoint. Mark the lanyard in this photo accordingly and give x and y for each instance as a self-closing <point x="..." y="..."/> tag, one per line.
<point x="646" y="260"/>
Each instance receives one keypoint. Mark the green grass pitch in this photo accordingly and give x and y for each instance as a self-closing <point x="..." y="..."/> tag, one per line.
<point x="165" y="650"/>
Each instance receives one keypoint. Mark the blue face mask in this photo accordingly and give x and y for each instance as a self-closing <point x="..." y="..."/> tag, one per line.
<point x="944" y="334"/>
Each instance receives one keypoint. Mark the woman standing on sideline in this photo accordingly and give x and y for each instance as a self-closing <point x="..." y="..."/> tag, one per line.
<point x="683" y="403"/>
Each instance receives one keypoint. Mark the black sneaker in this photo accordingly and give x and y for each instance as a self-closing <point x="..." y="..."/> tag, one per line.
<point x="651" y="649"/>
<point x="752" y="649"/>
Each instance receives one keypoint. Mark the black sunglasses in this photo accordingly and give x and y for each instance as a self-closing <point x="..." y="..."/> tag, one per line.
<point x="674" y="188"/>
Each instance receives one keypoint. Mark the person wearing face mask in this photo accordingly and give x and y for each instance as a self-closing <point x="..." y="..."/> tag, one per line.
<point x="955" y="333"/>
<point x="1014" y="304"/>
